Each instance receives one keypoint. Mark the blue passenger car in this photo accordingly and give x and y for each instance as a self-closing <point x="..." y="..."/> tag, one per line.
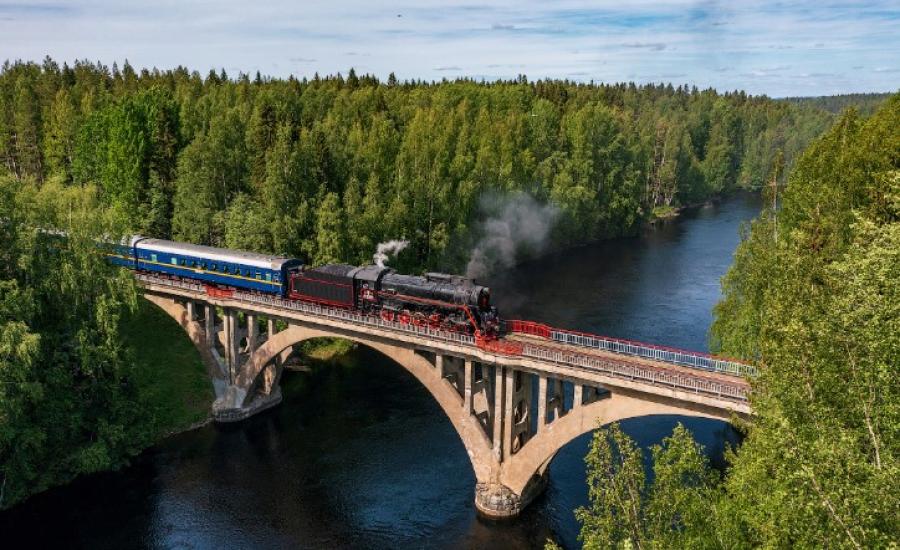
<point x="218" y="266"/>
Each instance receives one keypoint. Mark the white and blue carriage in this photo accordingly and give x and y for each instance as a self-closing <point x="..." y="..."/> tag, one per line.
<point x="216" y="266"/>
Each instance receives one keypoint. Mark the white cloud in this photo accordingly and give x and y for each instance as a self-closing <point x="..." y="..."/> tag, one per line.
<point x="729" y="45"/>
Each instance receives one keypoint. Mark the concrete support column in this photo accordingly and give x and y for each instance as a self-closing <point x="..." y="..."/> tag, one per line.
<point x="189" y="306"/>
<point x="578" y="399"/>
<point x="498" y="413"/>
<point x="558" y="399"/>
<point x="439" y="364"/>
<point x="210" y="326"/>
<point x="508" y="412"/>
<point x="522" y="403"/>
<point x="231" y="352"/>
<point x="270" y="327"/>
<point x="252" y="330"/>
<point x="467" y="387"/>
<point x="542" y="402"/>
<point x="270" y="376"/>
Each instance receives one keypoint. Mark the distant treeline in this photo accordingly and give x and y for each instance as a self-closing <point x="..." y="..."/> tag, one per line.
<point x="865" y="104"/>
<point x="327" y="168"/>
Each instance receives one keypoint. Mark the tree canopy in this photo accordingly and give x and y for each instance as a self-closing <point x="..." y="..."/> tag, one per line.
<point x="274" y="163"/>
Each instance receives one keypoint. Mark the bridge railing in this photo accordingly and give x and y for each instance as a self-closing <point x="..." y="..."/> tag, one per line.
<point x="632" y="371"/>
<point x="629" y="371"/>
<point x="638" y="349"/>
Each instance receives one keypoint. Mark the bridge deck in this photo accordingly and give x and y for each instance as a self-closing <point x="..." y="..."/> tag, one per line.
<point x="629" y="359"/>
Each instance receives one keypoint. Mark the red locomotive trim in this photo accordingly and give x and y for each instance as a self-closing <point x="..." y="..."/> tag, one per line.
<point x="439" y="303"/>
<point x="501" y="347"/>
<point x="217" y="292"/>
<point x="529" y="327"/>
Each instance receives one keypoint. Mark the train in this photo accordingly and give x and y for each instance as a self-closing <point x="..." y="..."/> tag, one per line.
<point x="436" y="300"/>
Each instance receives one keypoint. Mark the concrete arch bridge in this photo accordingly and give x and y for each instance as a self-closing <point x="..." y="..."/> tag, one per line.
<point x="514" y="402"/>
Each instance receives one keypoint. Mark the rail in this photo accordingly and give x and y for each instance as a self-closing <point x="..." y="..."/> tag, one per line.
<point x="658" y="376"/>
<point x="638" y="349"/>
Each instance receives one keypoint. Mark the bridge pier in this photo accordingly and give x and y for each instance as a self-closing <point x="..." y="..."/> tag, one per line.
<point x="245" y="396"/>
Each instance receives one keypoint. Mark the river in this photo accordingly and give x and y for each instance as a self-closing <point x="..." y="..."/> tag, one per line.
<point x="360" y="456"/>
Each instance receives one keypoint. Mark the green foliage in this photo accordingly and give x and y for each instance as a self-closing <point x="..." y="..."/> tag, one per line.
<point x="814" y="299"/>
<point x="66" y="402"/>
<point x="330" y="231"/>
<point x="182" y="156"/>
<point x="129" y="148"/>
<point x="626" y="512"/>
<point x="818" y="304"/>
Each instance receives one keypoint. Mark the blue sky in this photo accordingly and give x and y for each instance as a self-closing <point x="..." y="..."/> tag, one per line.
<point x="771" y="47"/>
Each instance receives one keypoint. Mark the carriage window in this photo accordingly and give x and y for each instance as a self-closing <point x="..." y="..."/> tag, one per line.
<point x="152" y="257"/>
<point x="174" y="261"/>
<point x="258" y="275"/>
<point x="269" y="277"/>
<point x="225" y="268"/>
<point x="212" y="267"/>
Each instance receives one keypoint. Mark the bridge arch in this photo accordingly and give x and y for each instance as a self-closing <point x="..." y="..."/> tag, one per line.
<point x="475" y="441"/>
<point x="531" y="462"/>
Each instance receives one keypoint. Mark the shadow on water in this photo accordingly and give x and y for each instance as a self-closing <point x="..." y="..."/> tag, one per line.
<point x="359" y="455"/>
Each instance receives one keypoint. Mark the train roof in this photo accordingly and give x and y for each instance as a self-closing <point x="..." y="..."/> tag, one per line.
<point x="253" y="259"/>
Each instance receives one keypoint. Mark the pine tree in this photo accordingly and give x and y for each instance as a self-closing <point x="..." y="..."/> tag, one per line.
<point x="27" y="129"/>
<point x="59" y="144"/>
<point x="330" y="231"/>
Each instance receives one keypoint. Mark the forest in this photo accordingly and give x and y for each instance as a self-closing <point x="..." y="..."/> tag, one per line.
<point x="813" y="299"/>
<point x="328" y="167"/>
<point x="865" y="104"/>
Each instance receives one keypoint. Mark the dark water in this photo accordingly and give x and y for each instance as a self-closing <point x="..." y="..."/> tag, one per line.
<point x="360" y="456"/>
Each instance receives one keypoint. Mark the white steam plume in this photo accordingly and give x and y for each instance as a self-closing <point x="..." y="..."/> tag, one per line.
<point x="517" y="226"/>
<point x="388" y="249"/>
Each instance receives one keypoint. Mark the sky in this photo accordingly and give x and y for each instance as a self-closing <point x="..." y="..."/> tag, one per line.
<point x="776" y="48"/>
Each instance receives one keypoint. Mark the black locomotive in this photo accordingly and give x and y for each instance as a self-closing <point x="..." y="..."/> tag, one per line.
<point x="436" y="300"/>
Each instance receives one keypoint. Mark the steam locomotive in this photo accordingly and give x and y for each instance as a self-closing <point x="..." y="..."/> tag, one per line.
<point x="436" y="300"/>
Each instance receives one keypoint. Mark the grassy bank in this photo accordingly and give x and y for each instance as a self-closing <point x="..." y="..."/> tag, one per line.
<point x="168" y="370"/>
<point x="326" y="349"/>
